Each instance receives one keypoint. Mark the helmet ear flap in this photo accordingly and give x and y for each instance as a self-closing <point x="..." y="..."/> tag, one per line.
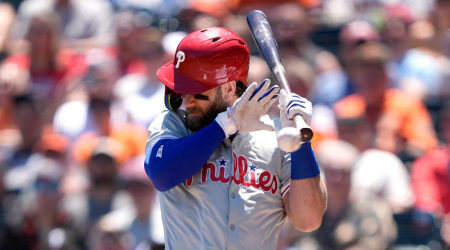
<point x="172" y="99"/>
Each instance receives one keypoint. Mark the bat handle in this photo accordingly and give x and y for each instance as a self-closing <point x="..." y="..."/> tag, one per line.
<point x="306" y="132"/>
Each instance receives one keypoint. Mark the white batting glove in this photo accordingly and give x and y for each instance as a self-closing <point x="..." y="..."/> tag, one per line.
<point x="292" y="104"/>
<point x="247" y="111"/>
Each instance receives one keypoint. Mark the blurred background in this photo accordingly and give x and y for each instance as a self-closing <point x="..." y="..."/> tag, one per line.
<point x="78" y="88"/>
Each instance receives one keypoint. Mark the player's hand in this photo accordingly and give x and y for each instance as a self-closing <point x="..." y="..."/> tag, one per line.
<point x="292" y="104"/>
<point x="247" y="111"/>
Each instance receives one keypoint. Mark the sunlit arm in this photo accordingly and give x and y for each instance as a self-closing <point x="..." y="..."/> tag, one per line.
<point x="306" y="201"/>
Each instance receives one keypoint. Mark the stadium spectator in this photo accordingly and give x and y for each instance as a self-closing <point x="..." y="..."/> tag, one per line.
<point x="105" y="236"/>
<point x="332" y="83"/>
<point x="445" y="87"/>
<point x="13" y="82"/>
<point x="18" y="173"/>
<point x="430" y="174"/>
<point x="53" y="146"/>
<point x="8" y="15"/>
<point x="132" y="136"/>
<point x="97" y="67"/>
<point x="27" y="118"/>
<point x="413" y="70"/>
<point x="292" y="25"/>
<point x="376" y="172"/>
<point x="387" y="111"/>
<point x="130" y="34"/>
<point x="441" y="20"/>
<point x="47" y="225"/>
<point x="103" y="193"/>
<point x="142" y="221"/>
<point x="76" y="116"/>
<point x="85" y="24"/>
<point x="350" y="222"/>
<point x="141" y="94"/>
<point x="50" y="69"/>
<point x="431" y="184"/>
<point x="445" y="231"/>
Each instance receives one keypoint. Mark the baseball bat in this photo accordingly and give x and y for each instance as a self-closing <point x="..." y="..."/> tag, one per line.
<point x="268" y="48"/>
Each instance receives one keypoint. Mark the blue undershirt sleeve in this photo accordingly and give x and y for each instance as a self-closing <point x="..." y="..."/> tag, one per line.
<point x="170" y="162"/>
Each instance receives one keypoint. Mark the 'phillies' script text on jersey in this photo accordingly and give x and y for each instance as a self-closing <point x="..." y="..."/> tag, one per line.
<point x="264" y="180"/>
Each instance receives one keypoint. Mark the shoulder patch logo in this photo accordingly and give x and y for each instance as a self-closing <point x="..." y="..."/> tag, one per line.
<point x="159" y="153"/>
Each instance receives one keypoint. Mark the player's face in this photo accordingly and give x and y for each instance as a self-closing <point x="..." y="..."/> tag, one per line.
<point x="202" y="109"/>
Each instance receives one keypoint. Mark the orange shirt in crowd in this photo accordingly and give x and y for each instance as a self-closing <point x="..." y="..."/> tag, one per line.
<point x="402" y="119"/>
<point x="132" y="137"/>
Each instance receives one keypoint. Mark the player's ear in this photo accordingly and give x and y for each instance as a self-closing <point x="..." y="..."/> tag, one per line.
<point x="228" y="90"/>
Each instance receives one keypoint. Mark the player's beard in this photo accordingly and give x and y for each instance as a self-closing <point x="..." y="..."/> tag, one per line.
<point x="195" y="123"/>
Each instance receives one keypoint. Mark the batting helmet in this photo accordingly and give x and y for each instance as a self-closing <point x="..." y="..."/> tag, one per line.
<point x="204" y="59"/>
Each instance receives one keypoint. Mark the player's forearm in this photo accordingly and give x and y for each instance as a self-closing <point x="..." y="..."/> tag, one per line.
<point x="307" y="202"/>
<point x="170" y="162"/>
<point x="307" y="198"/>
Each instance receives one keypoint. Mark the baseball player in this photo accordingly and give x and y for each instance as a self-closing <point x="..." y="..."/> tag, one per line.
<point x="223" y="181"/>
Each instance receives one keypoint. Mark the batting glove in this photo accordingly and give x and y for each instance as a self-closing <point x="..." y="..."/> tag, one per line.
<point x="292" y="104"/>
<point x="247" y="111"/>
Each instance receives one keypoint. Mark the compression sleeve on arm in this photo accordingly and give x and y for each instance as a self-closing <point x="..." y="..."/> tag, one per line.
<point x="169" y="162"/>
<point x="303" y="163"/>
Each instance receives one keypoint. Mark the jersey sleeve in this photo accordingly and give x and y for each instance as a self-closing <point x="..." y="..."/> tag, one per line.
<point x="285" y="178"/>
<point x="285" y="175"/>
<point x="168" y="125"/>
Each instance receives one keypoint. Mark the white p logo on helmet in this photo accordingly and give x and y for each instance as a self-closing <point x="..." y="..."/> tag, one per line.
<point x="181" y="57"/>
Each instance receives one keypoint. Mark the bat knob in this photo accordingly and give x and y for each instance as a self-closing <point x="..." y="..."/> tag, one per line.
<point x="306" y="134"/>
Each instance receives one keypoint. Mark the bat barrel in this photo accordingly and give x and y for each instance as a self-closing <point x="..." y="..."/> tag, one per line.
<point x="264" y="39"/>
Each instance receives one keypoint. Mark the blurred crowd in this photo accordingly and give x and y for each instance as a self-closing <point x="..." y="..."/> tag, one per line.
<point x="78" y="88"/>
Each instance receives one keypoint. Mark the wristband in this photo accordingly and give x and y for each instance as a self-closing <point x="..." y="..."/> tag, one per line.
<point x="229" y="128"/>
<point x="303" y="163"/>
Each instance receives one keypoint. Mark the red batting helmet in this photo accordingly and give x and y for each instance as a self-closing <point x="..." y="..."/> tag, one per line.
<point x="204" y="59"/>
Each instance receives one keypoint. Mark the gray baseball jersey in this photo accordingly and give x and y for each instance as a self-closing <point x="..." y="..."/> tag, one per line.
<point x="234" y="201"/>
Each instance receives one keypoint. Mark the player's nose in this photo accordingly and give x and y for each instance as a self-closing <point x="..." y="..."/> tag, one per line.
<point x="188" y="101"/>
